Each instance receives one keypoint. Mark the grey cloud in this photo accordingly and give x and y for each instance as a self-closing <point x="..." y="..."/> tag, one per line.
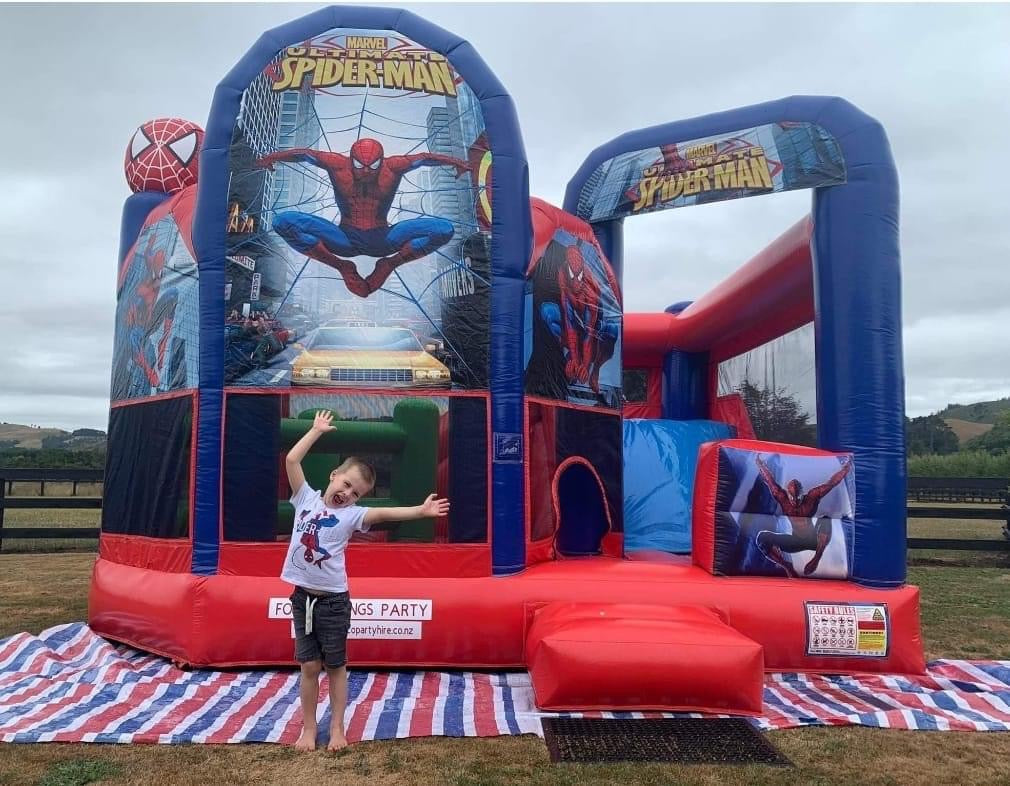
<point x="63" y="412"/>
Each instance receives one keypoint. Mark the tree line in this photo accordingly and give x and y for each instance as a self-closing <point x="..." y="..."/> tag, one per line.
<point x="930" y="435"/>
<point x="932" y="446"/>
<point x="51" y="458"/>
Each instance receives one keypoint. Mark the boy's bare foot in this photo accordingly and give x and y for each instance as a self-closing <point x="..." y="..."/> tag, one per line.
<point x="307" y="742"/>
<point x="337" y="740"/>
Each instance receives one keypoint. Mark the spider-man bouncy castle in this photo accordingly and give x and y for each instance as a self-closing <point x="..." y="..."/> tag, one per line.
<point x="648" y="510"/>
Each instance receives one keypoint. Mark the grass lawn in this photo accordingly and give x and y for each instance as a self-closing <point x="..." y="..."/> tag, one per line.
<point x="54" y="517"/>
<point x="821" y="756"/>
<point x="965" y="614"/>
<point x="968" y="529"/>
<point x="965" y="529"/>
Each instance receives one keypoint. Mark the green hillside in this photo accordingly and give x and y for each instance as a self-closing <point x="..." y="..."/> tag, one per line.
<point x="15" y="436"/>
<point x="981" y="412"/>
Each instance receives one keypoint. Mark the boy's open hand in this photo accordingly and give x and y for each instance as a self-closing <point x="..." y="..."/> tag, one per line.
<point x="324" y="422"/>
<point x="434" y="508"/>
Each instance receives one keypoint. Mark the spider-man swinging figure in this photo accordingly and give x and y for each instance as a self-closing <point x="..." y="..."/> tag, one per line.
<point x="587" y="335"/>
<point x="364" y="184"/>
<point x="799" y="508"/>
<point x="152" y="306"/>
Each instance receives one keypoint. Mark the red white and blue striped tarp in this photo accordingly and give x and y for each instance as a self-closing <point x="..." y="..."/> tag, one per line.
<point x="69" y="685"/>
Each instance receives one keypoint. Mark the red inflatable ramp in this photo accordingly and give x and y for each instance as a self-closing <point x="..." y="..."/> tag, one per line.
<point x="600" y="656"/>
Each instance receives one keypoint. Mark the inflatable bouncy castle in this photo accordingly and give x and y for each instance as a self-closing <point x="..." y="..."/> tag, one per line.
<point x="648" y="510"/>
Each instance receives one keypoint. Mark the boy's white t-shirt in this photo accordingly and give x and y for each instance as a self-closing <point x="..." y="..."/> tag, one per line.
<point x="315" y="558"/>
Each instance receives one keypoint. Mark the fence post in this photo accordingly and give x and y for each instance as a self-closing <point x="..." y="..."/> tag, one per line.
<point x="3" y="501"/>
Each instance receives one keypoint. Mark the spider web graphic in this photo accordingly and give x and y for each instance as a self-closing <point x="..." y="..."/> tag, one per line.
<point x="424" y="192"/>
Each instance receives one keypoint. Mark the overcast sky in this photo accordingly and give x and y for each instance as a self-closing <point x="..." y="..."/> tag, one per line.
<point x="79" y="79"/>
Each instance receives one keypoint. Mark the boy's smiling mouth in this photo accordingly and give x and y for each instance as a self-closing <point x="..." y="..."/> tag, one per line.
<point x="336" y="500"/>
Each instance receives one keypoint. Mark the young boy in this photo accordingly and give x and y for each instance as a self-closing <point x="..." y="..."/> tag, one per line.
<point x="320" y="604"/>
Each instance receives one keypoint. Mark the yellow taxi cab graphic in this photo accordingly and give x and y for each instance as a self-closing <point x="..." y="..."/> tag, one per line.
<point x="367" y="357"/>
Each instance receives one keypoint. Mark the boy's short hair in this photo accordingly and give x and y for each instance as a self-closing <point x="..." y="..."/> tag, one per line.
<point x="363" y="467"/>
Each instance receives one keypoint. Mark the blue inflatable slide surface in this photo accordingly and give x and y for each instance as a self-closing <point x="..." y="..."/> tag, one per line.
<point x="660" y="460"/>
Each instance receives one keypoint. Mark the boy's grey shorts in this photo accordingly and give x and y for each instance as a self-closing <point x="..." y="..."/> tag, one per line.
<point x="331" y="619"/>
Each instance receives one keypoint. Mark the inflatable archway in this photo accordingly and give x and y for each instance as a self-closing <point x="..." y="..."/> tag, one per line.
<point x="354" y="232"/>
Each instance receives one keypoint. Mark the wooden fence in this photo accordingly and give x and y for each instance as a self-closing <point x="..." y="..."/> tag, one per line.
<point x="8" y="477"/>
<point x="966" y="493"/>
<point x="962" y="491"/>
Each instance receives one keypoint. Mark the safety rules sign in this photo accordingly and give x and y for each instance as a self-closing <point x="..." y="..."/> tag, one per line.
<point x="849" y="629"/>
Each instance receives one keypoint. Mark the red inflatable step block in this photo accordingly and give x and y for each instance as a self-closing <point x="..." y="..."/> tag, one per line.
<point x="587" y="656"/>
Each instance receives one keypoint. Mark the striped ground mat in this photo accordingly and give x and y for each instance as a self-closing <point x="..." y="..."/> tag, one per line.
<point x="69" y="685"/>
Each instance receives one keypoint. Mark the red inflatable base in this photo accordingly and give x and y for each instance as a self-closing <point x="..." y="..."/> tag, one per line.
<point x="622" y="656"/>
<point x="803" y="625"/>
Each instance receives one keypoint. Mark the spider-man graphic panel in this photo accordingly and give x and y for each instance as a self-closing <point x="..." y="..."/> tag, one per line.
<point x="577" y="324"/>
<point x="364" y="182"/>
<point x="792" y="515"/>
<point x="156" y="319"/>
<point x="354" y="203"/>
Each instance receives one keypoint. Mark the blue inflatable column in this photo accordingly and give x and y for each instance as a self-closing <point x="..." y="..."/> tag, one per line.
<point x="610" y="236"/>
<point x="860" y="382"/>
<point x="210" y="241"/>
<point x="136" y="209"/>
<point x="512" y="232"/>
<point x="685" y="380"/>
<point x="685" y="385"/>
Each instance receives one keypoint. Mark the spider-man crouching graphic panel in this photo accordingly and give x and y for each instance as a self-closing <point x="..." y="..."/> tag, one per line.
<point x="364" y="184"/>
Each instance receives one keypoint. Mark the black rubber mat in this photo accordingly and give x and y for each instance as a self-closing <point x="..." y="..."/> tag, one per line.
<point x="681" y="740"/>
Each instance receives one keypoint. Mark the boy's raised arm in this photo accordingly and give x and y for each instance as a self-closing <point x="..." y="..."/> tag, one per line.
<point x="430" y="508"/>
<point x="322" y="423"/>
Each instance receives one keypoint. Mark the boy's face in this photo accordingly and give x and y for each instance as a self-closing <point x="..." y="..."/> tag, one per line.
<point x="345" y="488"/>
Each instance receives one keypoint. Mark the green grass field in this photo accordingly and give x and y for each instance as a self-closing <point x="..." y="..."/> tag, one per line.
<point x="52" y="517"/>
